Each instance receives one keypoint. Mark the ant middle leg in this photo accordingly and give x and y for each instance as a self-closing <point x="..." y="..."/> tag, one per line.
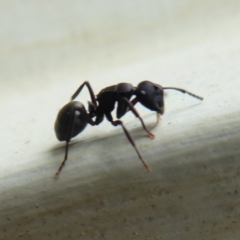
<point x="130" y="139"/>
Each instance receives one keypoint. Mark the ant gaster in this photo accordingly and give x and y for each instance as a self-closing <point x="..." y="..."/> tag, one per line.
<point x="73" y="117"/>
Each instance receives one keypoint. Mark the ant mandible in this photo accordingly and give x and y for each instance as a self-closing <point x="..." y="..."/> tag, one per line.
<point x="73" y="117"/>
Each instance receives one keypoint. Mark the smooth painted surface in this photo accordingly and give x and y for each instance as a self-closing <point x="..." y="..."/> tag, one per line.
<point x="104" y="192"/>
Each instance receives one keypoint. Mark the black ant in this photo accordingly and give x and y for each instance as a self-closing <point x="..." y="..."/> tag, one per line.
<point x="73" y="117"/>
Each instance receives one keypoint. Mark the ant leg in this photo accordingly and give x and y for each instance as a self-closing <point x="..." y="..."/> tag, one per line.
<point x="158" y="120"/>
<point x="184" y="91"/>
<point x="134" y="101"/>
<point x="133" y="109"/>
<point x="67" y="142"/>
<point x="130" y="139"/>
<point x="64" y="160"/>
<point x="98" y="120"/>
<point x="92" y="95"/>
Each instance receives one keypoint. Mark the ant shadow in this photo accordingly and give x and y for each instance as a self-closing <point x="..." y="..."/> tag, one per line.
<point x="137" y="132"/>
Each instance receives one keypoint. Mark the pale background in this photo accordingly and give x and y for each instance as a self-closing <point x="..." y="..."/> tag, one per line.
<point x="48" y="48"/>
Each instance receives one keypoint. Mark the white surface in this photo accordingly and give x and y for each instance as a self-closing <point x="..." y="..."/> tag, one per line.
<point x="104" y="192"/>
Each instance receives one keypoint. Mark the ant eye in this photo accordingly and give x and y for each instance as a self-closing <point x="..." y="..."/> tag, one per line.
<point x="77" y="113"/>
<point x="143" y="92"/>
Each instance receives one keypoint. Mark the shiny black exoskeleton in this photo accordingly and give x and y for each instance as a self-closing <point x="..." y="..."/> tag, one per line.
<point x="73" y="117"/>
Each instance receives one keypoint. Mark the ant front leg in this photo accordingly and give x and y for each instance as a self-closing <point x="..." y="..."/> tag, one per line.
<point x="158" y="120"/>
<point x="135" y="112"/>
<point x="92" y="95"/>
<point x="135" y="101"/>
<point x="130" y="139"/>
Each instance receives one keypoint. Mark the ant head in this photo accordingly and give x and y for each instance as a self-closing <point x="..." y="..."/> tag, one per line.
<point x="150" y="95"/>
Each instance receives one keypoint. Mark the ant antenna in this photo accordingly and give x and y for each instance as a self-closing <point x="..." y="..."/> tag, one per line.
<point x="184" y="91"/>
